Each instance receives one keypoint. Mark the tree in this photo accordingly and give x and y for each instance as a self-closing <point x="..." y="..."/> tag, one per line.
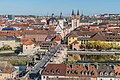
<point x="76" y="57"/>
<point x="91" y="45"/>
<point x="97" y="44"/>
<point x="83" y="46"/>
<point x="6" y="47"/>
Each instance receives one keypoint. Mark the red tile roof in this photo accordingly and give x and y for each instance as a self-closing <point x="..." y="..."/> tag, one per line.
<point x="6" y="67"/>
<point x="9" y="33"/>
<point x="57" y="38"/>
<point x="26" y="41"/>
<point x="54" y="69"/>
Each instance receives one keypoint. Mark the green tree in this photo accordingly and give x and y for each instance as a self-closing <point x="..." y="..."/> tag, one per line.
<point x="91" y="45"/>
<point x="7" y="47"/>
<point x="83" y="46"/>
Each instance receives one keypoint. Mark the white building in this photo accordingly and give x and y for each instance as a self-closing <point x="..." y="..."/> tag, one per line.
<point x="28" y="48"/>
<point x="8" y="41"/>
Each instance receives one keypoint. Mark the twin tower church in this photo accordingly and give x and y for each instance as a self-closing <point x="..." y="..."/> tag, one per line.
<point x="75" y="20"/>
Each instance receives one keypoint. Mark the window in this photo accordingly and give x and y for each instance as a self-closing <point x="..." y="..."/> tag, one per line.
<point x="86" y="73"/>
<point x="52" y="71"/>
<point x="82" y="73"/>
<point x="47" y="71"/>
<point x="58" y="71"/>
<point x="68" y="71"/>
<point x="76" y="72"/>
<point x="106" y="74"/>
<point x="111" y="74"/>
<point x="43" y="76"/>
<point x="101" y="73"/>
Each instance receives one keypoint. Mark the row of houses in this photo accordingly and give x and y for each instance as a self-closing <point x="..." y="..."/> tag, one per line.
<point x="78" y="37"/>
<point x="80" y="72"/>
<point x="30" y="40"/>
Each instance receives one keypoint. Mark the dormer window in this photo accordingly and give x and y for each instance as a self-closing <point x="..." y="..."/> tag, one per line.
<point x="111" y="73"/>
<point x="72" y="72"/>
<point x="52" y="71"/>
<point x="89" y="73"/>
<point x="105" y="73"/>
<point x="82" y="73"/>
<point x="92" y="73"/>
<point x="68" y="71"/>
<point x="47" y="71"/>
<point x="58" y="71"/>
<point x="116" y="74"/>
<point x="76" y="72"/>
<point x="101" y="73"/>
<point x="44" y="77"/>
<point x="86" y="73"/>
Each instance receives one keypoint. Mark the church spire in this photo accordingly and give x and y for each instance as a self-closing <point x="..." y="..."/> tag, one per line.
<point x="61" y="15"/>
<point x="52" y="14"/>
<point x="73" y="12"/>
<point x="78" y="12"/>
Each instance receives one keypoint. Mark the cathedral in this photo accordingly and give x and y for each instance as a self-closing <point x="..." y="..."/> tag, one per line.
<point x="75" y="20"/>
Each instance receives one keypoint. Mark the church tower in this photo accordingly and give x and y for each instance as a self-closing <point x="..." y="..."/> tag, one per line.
<point x="75" y="19"/>
<point x="60" y="26"/>
<point x="78" y="18"/>
<point x="61" y="21"/>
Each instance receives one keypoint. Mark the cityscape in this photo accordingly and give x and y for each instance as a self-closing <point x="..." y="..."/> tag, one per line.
<point x="59" y="40"/>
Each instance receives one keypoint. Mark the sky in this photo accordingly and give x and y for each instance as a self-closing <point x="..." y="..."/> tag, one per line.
<point x="47" y="7"/>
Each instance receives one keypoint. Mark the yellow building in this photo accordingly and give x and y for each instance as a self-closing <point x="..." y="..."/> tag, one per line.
<point x="72" y="37"/>
<point x="85" y="37"/>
